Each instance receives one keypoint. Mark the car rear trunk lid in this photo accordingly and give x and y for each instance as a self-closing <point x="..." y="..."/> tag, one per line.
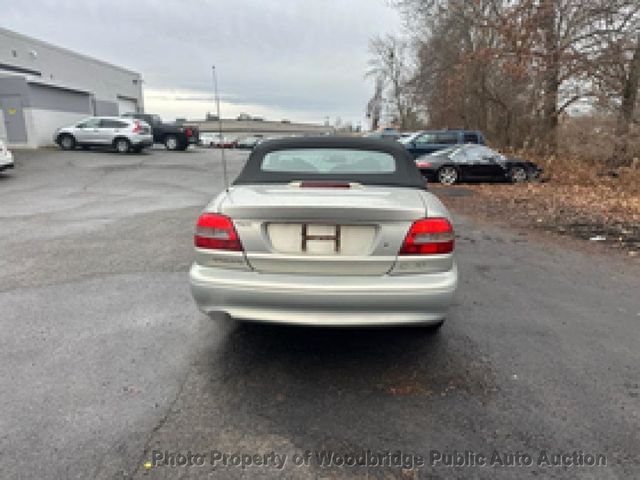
<point x="333" y="231"/>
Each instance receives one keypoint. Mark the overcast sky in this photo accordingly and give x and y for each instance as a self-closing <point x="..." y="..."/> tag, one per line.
<point x="297" y="59"/>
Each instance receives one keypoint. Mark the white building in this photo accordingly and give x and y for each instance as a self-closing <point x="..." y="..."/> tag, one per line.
<point x="43" y="87"/>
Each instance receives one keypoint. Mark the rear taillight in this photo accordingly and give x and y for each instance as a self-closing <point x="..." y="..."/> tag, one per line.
<point x="188" y="132"/>
<point x="422" y="164"/>
<point x="216" y="232"/>
<point x="428" y="236"/>
<point x="136" y="127"/>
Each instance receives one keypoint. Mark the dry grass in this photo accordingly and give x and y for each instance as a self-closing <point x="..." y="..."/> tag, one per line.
<point x="576" y="198"/>
<point x="586" y="187"/>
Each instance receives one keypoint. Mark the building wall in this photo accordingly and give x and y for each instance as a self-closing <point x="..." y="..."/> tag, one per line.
<point x="106" y="108"/>
<point x="41" y="125"/>
<point x="58" y="66"/>
<point x="57" y="87"/>
<point x="13" y="92"/>
<point x="46" y="97"/>
<point x="3" y="133"/>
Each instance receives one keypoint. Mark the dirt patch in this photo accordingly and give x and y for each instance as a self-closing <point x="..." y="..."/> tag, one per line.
<point x="605" y="213"/>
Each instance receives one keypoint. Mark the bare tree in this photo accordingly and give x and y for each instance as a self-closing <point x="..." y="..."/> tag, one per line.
<point x="627" y="107"/>
<point x="630" y="92"/>
<point x="389" y="63"/>
<point x="512" y="68"/>
<point x="374" y="107"/>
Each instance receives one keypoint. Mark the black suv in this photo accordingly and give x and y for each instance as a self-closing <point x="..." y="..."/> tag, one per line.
<point x="430" y="141"/>
<point x="173" y="136"/>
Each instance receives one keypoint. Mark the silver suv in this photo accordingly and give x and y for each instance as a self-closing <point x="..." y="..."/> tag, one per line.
<point x="122" y="134"/>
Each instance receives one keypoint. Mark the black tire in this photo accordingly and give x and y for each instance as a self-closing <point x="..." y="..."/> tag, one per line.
<point x="518" y="174"/>
<point x="67" y="142"/>
<point x="433" y="328"/>
<point x="182" y="148"/>
<point x="448" y="175"/>
<point x="428" y="329"/>
<point x="171" y="142"/>
<point x="533" y="176"/>
<point x="122" y="145"/>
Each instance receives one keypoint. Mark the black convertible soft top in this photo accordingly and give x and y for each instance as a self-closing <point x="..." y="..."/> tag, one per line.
<point x="406" y="174"/>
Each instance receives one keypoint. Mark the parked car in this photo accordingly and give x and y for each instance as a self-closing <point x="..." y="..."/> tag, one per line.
<point x="215" y="140"/>
<point x="326" y="231"/>
<point x="226" y="142"/>
<point x="171" y="135"/>
<point x="384" y="134"/>
<point x="433" y="140"/>
<point x="6" y="157"/>
<point x="475" y="162"/>
<point x="122" y="134"/>
<point x="207" y="139"/>
<point x="408" y="137"/>
<point x="248" y="142"/>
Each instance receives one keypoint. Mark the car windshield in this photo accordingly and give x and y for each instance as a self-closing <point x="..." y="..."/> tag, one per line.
<point x="328" y="161"/>
<point x="446" y="151"/>
<point x="408" y="138"/>
<point x="90" y="122"/>
<point x="479" y="152"/>
<point x="354" y="160"/>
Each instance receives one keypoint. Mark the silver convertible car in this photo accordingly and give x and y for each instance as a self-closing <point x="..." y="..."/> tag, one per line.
<point x="326" y="231"/>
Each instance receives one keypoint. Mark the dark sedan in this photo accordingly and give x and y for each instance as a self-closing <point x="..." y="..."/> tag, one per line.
<point x="475" y="162"/>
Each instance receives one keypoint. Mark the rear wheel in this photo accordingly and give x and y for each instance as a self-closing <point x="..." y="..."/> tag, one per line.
<point x="447" y="175"/>
<point x="67" y="142"/>
<point x="533" y="176"/>
<point x="171" y="142"/>
<point x="122" y="145"/>
<point x="518" y="175"/>
<point x="435" y="327"/>
<point x="428" y="328"/>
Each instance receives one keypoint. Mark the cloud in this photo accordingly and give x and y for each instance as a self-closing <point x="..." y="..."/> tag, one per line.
<point x="173" y="104"/>
<point x="288" y="57"/>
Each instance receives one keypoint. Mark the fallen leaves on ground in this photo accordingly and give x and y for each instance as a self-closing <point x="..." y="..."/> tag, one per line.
<point x="572" y="201"/>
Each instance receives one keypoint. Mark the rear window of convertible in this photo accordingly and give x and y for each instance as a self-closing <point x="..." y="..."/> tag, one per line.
<point x="328" y="161"/>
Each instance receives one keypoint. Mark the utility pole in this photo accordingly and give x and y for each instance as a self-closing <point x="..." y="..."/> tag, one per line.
<point x="225" y="175"/>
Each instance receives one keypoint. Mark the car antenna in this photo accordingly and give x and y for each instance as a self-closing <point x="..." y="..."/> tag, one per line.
<point x="225" y="175"/>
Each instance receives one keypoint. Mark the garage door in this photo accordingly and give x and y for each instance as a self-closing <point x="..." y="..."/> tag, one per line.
<point x="126" y="105"/>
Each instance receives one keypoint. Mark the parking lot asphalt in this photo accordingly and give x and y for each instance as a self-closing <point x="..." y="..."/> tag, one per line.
<point x="105" y="358"/>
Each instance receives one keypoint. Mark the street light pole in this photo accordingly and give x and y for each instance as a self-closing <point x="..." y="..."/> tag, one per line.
<point x="225" y="175"/>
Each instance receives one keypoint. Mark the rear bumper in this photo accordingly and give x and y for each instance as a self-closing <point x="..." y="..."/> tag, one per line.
<point x="323" y="300"/>
<point x="428" y="173"/>
<point x="142" y="140"/>
<point x="534" y="172"/>
<point x="6" y="160"/>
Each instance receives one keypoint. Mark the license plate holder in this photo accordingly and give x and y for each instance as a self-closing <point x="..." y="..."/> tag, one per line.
<point x="320" y="233"/>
